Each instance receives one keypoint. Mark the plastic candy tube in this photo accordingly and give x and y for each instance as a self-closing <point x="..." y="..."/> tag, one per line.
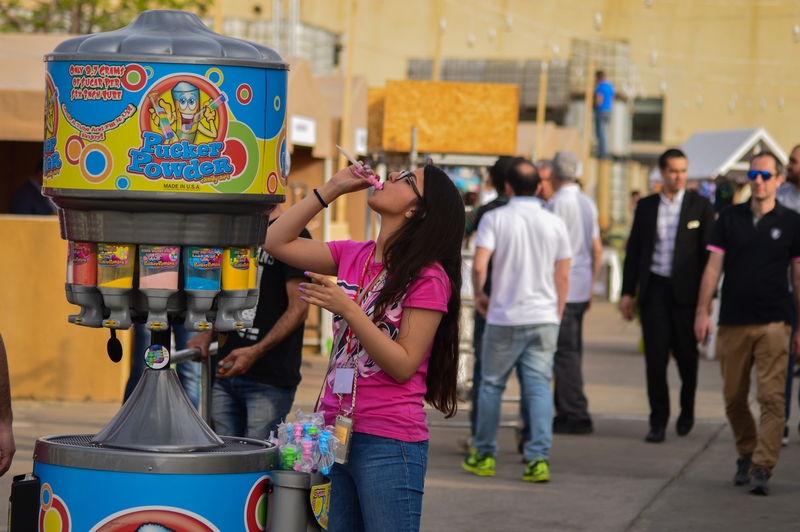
<point x="363" y="171"/>
<point x="114" y="265"/>
<point x="158" y="267"/>
<point x="253" y="277"/>
<point x="84" y="263"/>
<point x="202" y="268"/>
<point x="235" y="268"/>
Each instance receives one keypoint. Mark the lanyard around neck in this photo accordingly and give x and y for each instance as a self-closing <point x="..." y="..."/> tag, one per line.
<point x="360" y="296"/>
<point x="344" y="328"/>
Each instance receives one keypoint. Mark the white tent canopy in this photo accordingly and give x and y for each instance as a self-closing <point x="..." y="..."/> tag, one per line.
<point x="715" y="153"/>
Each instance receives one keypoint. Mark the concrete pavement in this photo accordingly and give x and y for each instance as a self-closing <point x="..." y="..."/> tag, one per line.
<point x="607" y="481"/>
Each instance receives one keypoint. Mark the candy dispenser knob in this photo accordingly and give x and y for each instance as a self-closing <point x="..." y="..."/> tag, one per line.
<point x="114" y="347"/>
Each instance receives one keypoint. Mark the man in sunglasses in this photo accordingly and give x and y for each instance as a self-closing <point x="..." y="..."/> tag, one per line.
<point x="754" y="243"/>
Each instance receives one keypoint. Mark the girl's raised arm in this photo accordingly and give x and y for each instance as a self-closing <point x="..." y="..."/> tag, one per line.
<point x="282" y="240"/>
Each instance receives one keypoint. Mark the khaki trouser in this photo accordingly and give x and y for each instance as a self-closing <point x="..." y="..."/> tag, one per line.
<point x="766" y="345"/>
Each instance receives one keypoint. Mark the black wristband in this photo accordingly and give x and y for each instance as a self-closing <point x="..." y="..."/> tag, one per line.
<point x="320" y="199"/>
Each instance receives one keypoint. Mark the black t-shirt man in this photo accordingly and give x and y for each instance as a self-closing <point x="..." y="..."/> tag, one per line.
<point x="280" y="366"/>
<point x="755" y="289"/>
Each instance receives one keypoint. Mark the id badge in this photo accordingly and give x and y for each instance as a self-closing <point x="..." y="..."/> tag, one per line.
<point x="343" y="381"/>
<point x="343" y="430"/>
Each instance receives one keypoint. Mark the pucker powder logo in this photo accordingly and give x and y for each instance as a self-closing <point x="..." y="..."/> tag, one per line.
<point x="193" y="163"/>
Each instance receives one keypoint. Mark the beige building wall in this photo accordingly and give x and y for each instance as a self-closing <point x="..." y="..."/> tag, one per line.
<point x="721" y="64"/>
<point x="48" y="357"/>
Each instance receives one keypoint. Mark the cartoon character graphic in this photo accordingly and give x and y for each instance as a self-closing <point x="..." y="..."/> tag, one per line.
<point x="151" y="527"/>
<point x="185" y="117"/>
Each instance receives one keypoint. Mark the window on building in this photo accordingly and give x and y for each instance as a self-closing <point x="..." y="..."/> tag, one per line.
<point x="648" y="118"/>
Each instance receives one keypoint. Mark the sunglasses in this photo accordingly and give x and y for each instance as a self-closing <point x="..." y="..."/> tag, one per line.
<point x="411" y="177"/>
<point x="765" y="176"/>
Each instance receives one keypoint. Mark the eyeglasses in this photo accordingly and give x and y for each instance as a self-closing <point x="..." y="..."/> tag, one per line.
<point x="411" y="177"/>
<point x="765" y="176"/>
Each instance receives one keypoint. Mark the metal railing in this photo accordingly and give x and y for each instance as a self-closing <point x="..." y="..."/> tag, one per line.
<point x="206" y="370"/>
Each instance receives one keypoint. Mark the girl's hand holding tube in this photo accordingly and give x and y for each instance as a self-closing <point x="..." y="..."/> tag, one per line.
<point x="349" y="179"/>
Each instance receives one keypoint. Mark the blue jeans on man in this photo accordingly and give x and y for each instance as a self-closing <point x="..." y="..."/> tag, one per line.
<point x="188" y="372"/>
<point x="477" y="346"/>
<point x="602" y="119"/>
<point x="245" y="408"/>
<point x="534" y="347"/>
<point x="380" y="487"/>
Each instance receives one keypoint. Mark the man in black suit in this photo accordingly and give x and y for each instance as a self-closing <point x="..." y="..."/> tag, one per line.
<point x="665" y="258"/>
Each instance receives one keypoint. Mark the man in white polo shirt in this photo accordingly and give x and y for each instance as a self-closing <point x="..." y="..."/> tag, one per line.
<point x="530" y="253"/>
<point x="580" y="216"/>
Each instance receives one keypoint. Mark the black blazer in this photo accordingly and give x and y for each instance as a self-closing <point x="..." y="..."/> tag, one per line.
<point x="689" y="260"/>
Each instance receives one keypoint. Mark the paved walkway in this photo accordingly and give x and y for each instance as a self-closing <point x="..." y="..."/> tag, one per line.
<point x="607" y="481"/>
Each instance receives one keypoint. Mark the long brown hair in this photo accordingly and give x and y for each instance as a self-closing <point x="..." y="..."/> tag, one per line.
<point x="433" y="234"/>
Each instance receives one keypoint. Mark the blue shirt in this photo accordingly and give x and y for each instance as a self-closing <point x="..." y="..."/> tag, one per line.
<point x="606" y="89"/>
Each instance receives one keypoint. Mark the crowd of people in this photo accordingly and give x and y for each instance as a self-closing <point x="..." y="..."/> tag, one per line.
<point x="537" y="257"/>
<point x="396" y="305"/>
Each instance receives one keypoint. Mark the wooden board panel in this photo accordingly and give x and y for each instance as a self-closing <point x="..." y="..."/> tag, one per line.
<point x="474" y="118"/>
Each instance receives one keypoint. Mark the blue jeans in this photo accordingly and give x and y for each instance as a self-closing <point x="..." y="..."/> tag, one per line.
<point x="380" y="488"/>
<point x="188" y="372"/>
<point x="248" y="409"/>
<point x="534" y="347"/>
<point x="601" y="121"/>
<point x="477" y="344"/>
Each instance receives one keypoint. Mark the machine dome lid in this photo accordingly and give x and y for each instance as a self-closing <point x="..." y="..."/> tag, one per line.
<point x="158" y="417"/>
<point x="169" y="37"/>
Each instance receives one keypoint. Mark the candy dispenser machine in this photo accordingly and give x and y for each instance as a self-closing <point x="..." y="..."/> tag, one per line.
<point x="165" y="147"/>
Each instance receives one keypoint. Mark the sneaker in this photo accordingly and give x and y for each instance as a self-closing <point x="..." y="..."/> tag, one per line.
<point x="482" y="465"/>
<point x="742" y="471"/>
<point x="537" y="471"/>
<point x="785" y="439"/>
<point x="759" y="483"/>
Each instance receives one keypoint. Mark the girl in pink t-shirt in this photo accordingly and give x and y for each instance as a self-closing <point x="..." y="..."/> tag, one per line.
<point x="396" y="313"/>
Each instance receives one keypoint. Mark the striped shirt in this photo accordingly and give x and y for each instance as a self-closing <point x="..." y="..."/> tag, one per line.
<point x="669" y="212"/>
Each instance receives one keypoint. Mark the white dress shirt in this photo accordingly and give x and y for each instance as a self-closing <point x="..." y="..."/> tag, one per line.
<point x="526" y="241"/>
<point x="666" y="230"/>
<point x="580" y="216"/>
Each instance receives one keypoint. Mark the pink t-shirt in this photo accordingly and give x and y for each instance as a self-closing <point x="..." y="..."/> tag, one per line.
<point x="384" y="407"/>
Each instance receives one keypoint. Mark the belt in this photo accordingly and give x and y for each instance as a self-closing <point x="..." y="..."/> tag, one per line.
<point x="660" y="279"/>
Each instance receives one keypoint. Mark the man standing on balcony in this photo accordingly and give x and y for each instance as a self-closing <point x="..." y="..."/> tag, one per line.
<point x="603" y="104"/>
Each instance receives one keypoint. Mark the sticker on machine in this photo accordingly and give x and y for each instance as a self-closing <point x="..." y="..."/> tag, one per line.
<point x="154" y="519"/>
<point x="257" y="515"/>
<point x="53" y="515"/>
